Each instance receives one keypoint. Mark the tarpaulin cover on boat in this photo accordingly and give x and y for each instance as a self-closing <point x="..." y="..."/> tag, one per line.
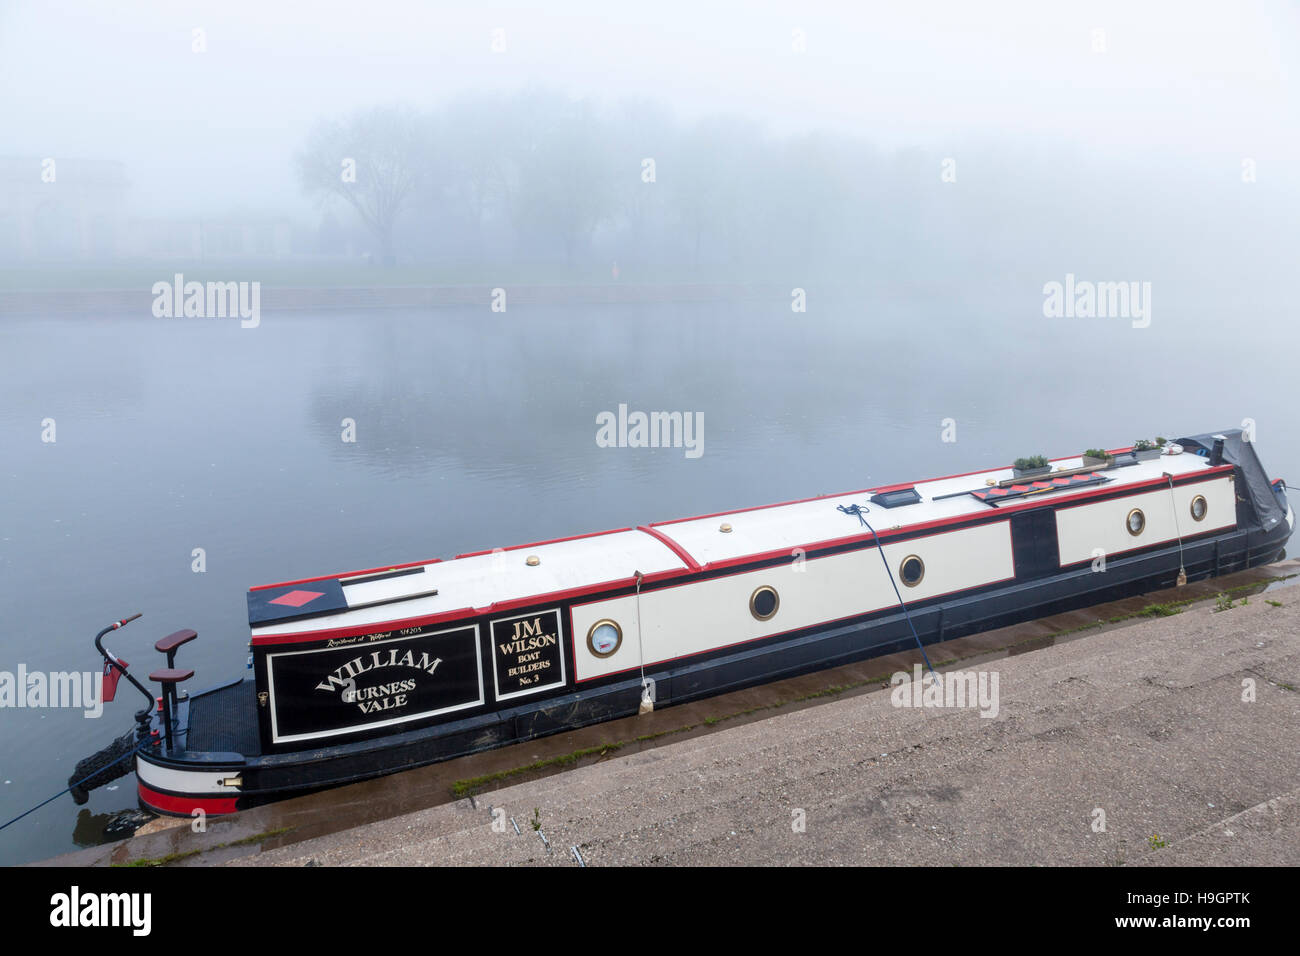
<point x="1237" y="451"/>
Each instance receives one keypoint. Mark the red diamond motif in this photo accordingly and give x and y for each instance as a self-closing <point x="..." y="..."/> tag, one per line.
<point x="296" y="598"/>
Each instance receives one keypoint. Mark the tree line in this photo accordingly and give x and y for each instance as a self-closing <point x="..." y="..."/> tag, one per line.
<point x="540" y="177"/>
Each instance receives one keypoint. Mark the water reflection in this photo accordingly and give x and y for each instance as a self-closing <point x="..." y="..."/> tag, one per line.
<point x="477" y="429"/>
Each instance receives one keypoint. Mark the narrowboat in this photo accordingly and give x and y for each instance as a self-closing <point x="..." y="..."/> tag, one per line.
<point x="371" y="672"/>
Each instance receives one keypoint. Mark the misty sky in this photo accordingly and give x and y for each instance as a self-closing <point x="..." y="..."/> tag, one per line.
<point x="120" y="81"/>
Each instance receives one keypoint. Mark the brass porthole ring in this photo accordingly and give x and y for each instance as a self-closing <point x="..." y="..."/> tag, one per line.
<point x="1200" y="507"/>
<point x="911" y="570"/>
<point x="1136" y="522"/>
<point x="764" y="603"/>
<point x="604" y="638"/>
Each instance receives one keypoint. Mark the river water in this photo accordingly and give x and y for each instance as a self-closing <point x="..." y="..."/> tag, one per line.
<point x="476" y="429"/>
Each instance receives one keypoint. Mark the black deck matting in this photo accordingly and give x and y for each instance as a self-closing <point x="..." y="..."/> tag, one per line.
<point x="225" y="720"/>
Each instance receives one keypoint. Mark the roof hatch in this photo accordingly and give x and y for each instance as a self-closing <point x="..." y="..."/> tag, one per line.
<point x="896" y="498"/>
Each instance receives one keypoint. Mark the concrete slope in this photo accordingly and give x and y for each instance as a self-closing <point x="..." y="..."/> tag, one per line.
<point x="1171" y="741"/>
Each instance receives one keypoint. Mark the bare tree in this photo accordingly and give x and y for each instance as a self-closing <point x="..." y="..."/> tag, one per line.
<point x="478" y="148"/>
<point x="717" y="183"/>
<point x="375" y="160"/>
<point x="566" y="177"/>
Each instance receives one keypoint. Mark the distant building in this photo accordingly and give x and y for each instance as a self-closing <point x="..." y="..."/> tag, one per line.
<point x="233" y="237"/>
<point x="61" y="209"/>
<point x="55" y="208"/>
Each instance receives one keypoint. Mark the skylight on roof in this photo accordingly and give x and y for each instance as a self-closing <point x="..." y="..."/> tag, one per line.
<point x="896" y="498"/>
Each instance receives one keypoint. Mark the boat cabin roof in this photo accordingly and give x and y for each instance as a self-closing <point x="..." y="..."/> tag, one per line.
<point x="505" y="578"/>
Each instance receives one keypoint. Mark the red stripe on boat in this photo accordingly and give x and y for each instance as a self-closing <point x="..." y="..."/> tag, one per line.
<point x="185" y="806"/>
<point x="672" y="545"/>
<point x="864" y="538"/>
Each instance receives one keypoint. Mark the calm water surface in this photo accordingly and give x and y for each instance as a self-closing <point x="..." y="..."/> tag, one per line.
<point x="476" y="430"/>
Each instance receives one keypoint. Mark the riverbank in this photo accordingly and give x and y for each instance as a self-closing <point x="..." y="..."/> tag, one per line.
<point x="125" y="288"/>
<point x="1167" y="742"/>
<point x="1133" y="708"/>
<point x="139" y="301"/>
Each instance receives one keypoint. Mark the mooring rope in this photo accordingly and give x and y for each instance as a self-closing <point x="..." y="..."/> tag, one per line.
<point x="130" y="753"/>
<point x="640" y="646"/>
<point x="860" y="512"/>
<point x="1173" y="503"/>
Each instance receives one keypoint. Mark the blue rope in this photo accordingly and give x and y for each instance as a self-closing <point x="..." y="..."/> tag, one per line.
<point x="131" y="753"/>
<point x="69" y="787"/>
<point x="860" y="512"/>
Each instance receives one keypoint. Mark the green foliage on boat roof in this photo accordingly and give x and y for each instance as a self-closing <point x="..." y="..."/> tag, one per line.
<point x="1033" y="461"/>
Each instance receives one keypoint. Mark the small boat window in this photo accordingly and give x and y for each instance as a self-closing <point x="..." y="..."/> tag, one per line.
<point x="912" y="570"/>
<point x="1135" y="522"/>
<point x="1199" y="508"/>
<point x="604" y="638"/>
<point x="763" y="603"/>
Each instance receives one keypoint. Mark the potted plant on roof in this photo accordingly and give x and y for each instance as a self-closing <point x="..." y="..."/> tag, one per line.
<point x="1033" y="465"/>
<point x="1098" y="458"/>
<point x="1144" y="450"/>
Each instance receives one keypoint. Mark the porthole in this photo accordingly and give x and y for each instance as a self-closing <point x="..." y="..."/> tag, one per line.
<point x="1199" y="507"/>
<point x="764" y="602"/>
<point x="604" y="638"/>
<point x="1135" y="522"/>
<point x="911" y="571"/>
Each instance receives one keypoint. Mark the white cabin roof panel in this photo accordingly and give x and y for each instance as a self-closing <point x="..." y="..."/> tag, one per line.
<point x="802" y="523"/>
<point x="475" y="582"/>
<point x="480" y="580"/>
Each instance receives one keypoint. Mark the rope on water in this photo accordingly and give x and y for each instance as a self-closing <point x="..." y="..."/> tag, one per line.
<point x="130" y="753"/>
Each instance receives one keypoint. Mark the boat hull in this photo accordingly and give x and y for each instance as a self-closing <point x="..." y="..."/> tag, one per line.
<point x="184" y="781"/>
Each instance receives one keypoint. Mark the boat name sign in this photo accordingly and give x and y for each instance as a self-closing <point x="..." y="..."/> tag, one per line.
<point x="526" y="654"/>
<point x="333" y="690"/>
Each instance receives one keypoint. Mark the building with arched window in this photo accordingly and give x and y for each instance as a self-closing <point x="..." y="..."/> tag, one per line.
<point x="52" y="208"/>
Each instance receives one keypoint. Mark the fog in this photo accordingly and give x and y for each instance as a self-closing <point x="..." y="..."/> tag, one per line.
<point x="942" y="141"/>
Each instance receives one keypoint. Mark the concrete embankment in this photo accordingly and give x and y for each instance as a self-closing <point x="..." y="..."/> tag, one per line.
<point x="1171" y="741"/>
